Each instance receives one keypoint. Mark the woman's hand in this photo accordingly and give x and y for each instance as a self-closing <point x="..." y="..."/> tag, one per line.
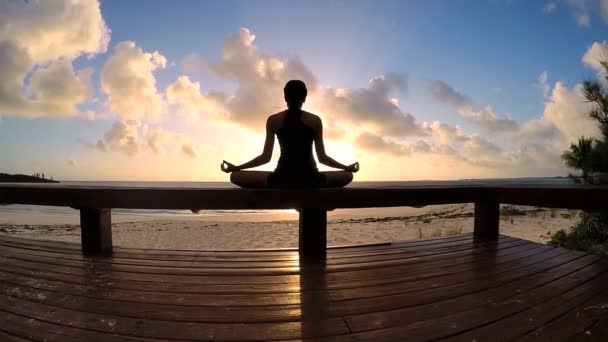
<point x="227" y="167"/>
<point x="353" y="167"/>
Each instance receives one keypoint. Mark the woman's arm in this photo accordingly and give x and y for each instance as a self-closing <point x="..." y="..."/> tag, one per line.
<point x="259" y="160"/>
<point x="324" y="158"/>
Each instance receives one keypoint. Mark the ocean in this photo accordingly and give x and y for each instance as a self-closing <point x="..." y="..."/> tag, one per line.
<point x="31" y="214"/>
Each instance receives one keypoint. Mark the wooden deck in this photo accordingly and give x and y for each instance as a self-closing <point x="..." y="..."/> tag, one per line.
<point x="452" y="288"/>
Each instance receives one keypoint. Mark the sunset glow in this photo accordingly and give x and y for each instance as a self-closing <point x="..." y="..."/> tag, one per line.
<point x="121" y="90"/>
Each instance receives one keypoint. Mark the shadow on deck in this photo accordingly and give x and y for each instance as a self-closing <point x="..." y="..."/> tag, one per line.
<point x="448" y="288"/>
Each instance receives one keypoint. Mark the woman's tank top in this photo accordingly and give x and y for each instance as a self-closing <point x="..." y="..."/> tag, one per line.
<point x="296" y="164"/>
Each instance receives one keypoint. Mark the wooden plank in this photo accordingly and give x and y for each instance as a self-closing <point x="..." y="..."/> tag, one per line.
<point x="158" y="329"/>
<point x="431" y="295"/>
<point x="520" y="323"/>
<point x="442" y="327"/>
<point x="584" y="322"/>
<point x="313" y="234"/>
<point x="442" y="278"/>
<point x="218" y="269"/>
<point x="575" y="196"/>
<point x="188" y="198"/>
<point x="32" y="329"/>
<point x="535" y="276"/>
<point x="246" y="257"/>
<point x="67" y="247"/>
<point x="96" y="231"/>
<point x="416" y="263"/>
<point x="72" y="279"/>
<point x="486" y="219"/>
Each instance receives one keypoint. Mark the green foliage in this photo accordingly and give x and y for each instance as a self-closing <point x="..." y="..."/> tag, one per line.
<point x="590" y="157"/>
<point x="589" y="234"/>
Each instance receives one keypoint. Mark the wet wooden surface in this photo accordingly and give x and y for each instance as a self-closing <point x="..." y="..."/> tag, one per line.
<point x="452" y="288"/>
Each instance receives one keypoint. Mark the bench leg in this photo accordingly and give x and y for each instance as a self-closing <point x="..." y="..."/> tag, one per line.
<point x="313" y="233"/>
<point x="96" y="231"/>
<point x="486" y="220"/>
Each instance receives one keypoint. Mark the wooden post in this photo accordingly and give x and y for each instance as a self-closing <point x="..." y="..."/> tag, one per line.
<point x="96" y="231"/>
<point x="486" y="220"/>
<point x="313" y="233"/>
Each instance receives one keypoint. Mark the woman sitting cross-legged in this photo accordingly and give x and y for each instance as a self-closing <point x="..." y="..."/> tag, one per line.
<point x="296" y="131"/>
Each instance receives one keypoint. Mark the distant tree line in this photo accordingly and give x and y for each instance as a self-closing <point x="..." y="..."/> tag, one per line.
<point x="41" y="175"/>
<point x="38" y="177"/>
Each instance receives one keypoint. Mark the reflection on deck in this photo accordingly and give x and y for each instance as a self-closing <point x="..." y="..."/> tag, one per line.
<point x="452" y="288"/>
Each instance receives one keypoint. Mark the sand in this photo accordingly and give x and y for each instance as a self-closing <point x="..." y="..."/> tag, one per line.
<point x="344" y="228"/>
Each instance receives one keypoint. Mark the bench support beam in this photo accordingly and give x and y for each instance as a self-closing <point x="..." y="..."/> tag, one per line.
<point x="313" y="233"/>
<point x="96" y="231"/>
<point x="486" y="220"/>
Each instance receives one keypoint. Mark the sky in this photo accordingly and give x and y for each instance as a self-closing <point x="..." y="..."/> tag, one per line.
<point x="412" y="90"/>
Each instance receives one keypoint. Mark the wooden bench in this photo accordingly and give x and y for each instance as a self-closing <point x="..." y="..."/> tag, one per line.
<point x="95" y="204"/>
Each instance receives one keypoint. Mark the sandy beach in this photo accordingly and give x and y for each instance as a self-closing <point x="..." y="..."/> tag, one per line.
<point x="353" y="227"/>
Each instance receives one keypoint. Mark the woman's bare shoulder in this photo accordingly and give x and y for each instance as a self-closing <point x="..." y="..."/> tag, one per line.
<point x="313" y="119"/>
<point x="275" y="120"/>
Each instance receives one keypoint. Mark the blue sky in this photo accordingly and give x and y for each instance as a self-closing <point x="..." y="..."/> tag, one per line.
<point x="491" y="52"/>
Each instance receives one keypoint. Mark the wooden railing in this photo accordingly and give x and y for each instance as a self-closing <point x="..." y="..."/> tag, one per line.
<point x="95" y="204"/>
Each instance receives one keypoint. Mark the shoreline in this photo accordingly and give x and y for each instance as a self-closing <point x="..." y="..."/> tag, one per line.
<point x="196" y="233"/>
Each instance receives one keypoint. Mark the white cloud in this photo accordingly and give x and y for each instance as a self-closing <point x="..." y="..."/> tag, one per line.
<point x="568" y="111"/>
<point x="485" y="117"/>
<point x="580" y="11"/>
<point x="376" y="143"/>
<point x="446" y="94"/>
<point x="128" y="80"/>
<point x="260" y="79"/>
<point x="38" y="41"/>
<point x="190" y="150"/>
<point x="372" y="106"/>
<point x="155" y="138"/>
<point x="121" y="137"/>
<point x="549" y="7"/>
<point x="48" y="30"/>
<point x="595" y="54"/>
<point x="187" y="96"/>
<point x="542" y="83"/>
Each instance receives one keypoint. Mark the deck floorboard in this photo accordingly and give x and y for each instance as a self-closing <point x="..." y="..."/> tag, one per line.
<point x="451" y="288"/>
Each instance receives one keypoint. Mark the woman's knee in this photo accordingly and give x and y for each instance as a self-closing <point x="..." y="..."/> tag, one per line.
<point x="250" y="179"/>
<point x="337" y="178"/>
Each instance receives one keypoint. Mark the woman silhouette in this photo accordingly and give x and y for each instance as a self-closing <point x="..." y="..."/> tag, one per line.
<point x="296" y="131"/>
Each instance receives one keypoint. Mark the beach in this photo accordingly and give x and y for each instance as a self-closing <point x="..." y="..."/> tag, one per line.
<point x="279" y="229"/>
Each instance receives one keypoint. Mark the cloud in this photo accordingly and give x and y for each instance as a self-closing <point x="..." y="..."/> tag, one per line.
<point x="376" y="143"/>
<point x="49" y="30"/>
<point x="580" y="11"/>
<point x="549" y="7"/>
<point x="542" y="83"/>
<point x="595" y="54"/>
<point x="155" y="138"/>
<point x="193" y="64"/>
<point x="540" y="142"/>
<point x="446" y="94"/>
<point x="38" y="42"/>
<point x="485" y="117"/>
<point x="121" y="137"/>
<point x="187" y="96"/>
<point x="127" y="78"/>
<point x="260" y="78"/>
<point x="190" y="150"/>
<point x="72" y="162"/>
<point x="568" y="111"/>
<point x="372" y="105"/>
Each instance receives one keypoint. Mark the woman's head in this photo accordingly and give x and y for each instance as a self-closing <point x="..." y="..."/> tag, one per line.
<point x="295" y="93"/>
